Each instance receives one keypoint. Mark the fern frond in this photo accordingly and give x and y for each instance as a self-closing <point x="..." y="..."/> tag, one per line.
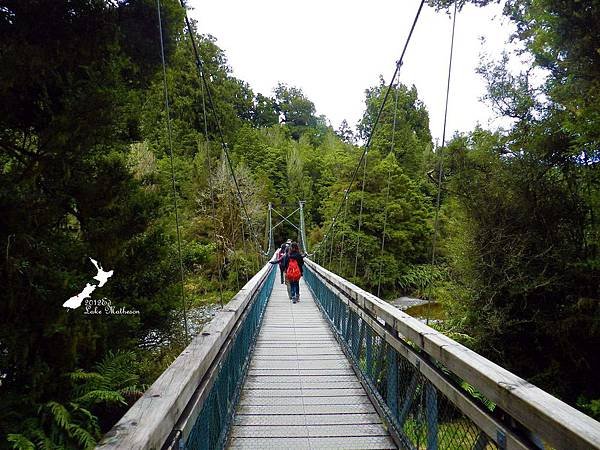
<point x="60" y="414"/>
<point x="116" y="369"/>
<point x="42" y="441"/>
<point x="133" y="391"/>
<point x="101" y="396"/>
<point x="478" y="395"/>
<point x="80" y="375"/>
<point x="82" y="436"/>
<point x="20" y="442"/>
<point x="91" y="421"/>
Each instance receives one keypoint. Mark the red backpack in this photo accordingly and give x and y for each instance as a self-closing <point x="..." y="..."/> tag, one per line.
<point x="293" y="271"/>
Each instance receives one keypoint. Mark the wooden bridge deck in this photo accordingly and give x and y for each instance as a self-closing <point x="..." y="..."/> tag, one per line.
<point x="301" y="391"/>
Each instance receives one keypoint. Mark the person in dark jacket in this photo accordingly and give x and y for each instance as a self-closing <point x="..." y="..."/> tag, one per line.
<point x="289" y="267"/>
<point x="279" y="259"/>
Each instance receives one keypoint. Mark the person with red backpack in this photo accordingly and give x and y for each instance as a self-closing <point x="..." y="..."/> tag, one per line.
<point x="293" y="264"/>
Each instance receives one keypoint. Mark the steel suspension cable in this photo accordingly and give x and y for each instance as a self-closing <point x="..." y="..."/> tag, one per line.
<point x="440" y="156"/>
<point x="212" y="196"/>
<point x="362" y="199"/>
<point x="387" y="195"/>
<point x="269" y="230"/>
<point x="343" y="232"/>
<point x="244" y="243"/>
<point x="331" y="250"/>
<point x="267" y="236"/>
<point x="201" y="72"/>
<point x="372" y="132"/>
<point x="170" y="141"/>
<point x="385" y="215"/>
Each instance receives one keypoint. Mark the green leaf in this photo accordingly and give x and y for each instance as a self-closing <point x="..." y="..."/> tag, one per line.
<point x="20" y="442"/>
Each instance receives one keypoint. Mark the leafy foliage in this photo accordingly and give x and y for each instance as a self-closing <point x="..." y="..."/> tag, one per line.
<point x="85" y="171"/>
<point x="522" y="206"/>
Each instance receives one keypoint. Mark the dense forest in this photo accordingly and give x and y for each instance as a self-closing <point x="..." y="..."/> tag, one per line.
<point x="90" y="166"/>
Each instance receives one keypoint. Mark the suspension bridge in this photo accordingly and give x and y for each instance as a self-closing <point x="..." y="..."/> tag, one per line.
<point x="340" y="369"/>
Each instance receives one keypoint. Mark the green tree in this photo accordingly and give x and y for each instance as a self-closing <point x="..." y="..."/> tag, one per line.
<point x="404" y="210"/>
<point x="265" y="112"/>
<point x="345" y="133"/>
<point x="297" y="111"/>
<point x="70" y="89"/>
<point x="527" y="247"/>
<point x="412" y="138"/>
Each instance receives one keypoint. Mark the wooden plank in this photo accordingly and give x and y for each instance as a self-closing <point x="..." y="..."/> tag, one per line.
<point x="557" y="423"/>
<point x="148" y="423"/>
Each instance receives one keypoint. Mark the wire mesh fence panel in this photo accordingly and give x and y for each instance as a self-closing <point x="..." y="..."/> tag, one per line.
<point x="212" y="423"/>
<point x="419" y="414"/>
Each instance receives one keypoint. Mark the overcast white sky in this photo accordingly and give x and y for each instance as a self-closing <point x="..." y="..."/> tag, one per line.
<point x="333" y="50"/>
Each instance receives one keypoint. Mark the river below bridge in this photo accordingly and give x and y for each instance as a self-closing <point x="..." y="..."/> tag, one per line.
<point x="421" y="309"/>
<point x="197" y="317"/>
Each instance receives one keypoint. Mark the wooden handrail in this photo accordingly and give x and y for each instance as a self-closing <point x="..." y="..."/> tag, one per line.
<point x="148" y="423"/>
<point x="557" y="423"/>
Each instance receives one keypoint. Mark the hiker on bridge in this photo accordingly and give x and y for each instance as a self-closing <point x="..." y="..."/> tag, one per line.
<point x="283" y="250"/>
<point x="293" y="264"/>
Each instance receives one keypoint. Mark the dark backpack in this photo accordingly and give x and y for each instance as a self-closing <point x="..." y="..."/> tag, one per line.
<point x="293" y="271"/>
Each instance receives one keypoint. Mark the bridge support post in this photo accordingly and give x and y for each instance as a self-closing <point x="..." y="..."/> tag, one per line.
<point x="431" y="413"/>
<point x="302" y="228"/>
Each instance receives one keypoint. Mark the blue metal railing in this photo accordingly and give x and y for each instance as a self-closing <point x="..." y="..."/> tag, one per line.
<point x="212" y="424"/>
<point x="418" y="414"/>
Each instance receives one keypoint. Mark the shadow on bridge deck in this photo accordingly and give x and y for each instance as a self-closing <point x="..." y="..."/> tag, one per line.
<point x="301" y="391"/>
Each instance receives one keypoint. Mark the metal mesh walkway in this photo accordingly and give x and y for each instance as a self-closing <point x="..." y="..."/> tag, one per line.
<point x="301" y="392"/>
